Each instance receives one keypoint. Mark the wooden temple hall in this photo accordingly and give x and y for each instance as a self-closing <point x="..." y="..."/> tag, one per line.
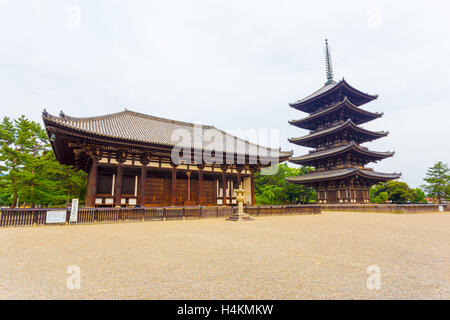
<point x="127" y="156"/>
<point x="334" y="119"/>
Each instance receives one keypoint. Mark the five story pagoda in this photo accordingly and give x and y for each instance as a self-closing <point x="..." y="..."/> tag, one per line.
<point x="334" y="119"/>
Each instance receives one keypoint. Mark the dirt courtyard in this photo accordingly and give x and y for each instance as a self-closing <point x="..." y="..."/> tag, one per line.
<point x="279" y="257"/>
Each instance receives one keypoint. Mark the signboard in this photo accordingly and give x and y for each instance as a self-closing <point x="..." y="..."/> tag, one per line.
<point x="74" y="211"/>
<point x="441" y="208"/>
<point x="56" y="217"/>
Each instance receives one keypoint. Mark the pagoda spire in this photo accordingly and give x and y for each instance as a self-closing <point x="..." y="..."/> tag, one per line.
<point x="328" y="64"/>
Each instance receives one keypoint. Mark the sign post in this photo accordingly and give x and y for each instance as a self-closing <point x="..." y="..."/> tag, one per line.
<point x="74" y="211"/>
<point x="56" y="217"/>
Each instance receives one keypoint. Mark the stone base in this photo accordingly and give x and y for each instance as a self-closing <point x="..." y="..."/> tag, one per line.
<point x="240" y="217"/>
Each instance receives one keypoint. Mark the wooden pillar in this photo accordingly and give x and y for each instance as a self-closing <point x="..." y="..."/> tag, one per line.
<point x="118" y="187"/>
<point x="239" y="177"/>
<point x="91" y="190"/>
<point x="143" y="184"/>
<point x="200" y="195"/>
<point x="189" y="185"/>
<point x="252" y="181"/>
<point x="173" y="198"/>
<point x="224" y="186"/>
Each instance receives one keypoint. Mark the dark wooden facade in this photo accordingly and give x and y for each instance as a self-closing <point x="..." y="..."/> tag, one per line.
<point x="127" y="156"/>
<point x="335" y="134"/>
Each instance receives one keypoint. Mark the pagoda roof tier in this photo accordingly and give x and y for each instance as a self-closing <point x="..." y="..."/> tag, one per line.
<point x="132" y="129"/>
<point x="330" y="93"/>
<point x="356" y="114"/>
<point x="309" y="158"/>
<point x="337" y="174"/>
<point x="364" y="135"/>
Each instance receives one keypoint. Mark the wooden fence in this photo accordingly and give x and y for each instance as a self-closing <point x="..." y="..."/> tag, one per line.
<point x="389" y="208"/>
<point x="36" y="217"/>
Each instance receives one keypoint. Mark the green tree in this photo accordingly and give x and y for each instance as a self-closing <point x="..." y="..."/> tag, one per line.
<point x="273" y="189"/>
<point x="20" y="140"/>
<point x="29" y="172"/>
<point x="418" y="196"/>
<point x="378" y="194"/>
<point x="437" y="181"/>
<point x="397" y="192"/>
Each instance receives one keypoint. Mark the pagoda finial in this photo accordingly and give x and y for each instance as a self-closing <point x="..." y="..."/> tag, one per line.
<point x="328" y="64"/>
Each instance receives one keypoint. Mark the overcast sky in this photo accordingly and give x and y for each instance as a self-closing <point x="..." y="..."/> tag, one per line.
<point x="234" y="64"/>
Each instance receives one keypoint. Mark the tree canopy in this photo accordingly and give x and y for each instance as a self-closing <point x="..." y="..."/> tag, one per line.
<point x="29" y="171"/>
<point x="273" y="189"/>
<point x="438" y="181"/>
<point x="397" y="192"/>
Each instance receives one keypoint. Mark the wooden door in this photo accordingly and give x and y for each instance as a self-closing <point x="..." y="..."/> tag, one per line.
<point x="156" y="191"/>
<point x="332" y="196"/>
<point x="359" y="196"/>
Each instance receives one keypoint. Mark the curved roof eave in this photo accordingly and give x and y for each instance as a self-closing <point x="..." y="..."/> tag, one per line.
<point x="339" y="150"/>
<point x="342" y="173"/>
<point x="329" y="89"/>
<point x="337" y="106"/>
<point x="326" y="131"/>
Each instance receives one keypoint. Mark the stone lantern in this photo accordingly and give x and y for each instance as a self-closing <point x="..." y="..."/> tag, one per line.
<point x="240" y="215"/>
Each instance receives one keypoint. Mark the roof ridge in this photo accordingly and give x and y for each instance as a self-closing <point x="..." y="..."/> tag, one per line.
<point x="71" y="118"/>
<point x="126" y="111"/>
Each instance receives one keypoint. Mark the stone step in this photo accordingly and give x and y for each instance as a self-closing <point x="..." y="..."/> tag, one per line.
<point x="240" y="218"/>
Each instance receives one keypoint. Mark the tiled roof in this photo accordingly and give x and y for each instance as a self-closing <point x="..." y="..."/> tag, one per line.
<point x="328" y="88"/>
<point x="341" y="173"/>
<point x="134" y="126"/>
<point x="337" y="150"/>
<point x="337" y="106"/>
<point x="332" y="129"/>
<point x="324" y="89"/>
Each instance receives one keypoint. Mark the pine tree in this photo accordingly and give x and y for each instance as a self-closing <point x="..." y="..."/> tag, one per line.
<point x="29" y="171"/>
<point x="437" y="181"/>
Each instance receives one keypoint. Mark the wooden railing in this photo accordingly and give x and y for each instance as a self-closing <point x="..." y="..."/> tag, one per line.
<point x="36" y="217"/>
<point x="389" y="208"/>
<point x="22" y="217"/>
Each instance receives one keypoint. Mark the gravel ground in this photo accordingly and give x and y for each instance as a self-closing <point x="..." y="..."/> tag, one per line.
<point x="286" y="257"/>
